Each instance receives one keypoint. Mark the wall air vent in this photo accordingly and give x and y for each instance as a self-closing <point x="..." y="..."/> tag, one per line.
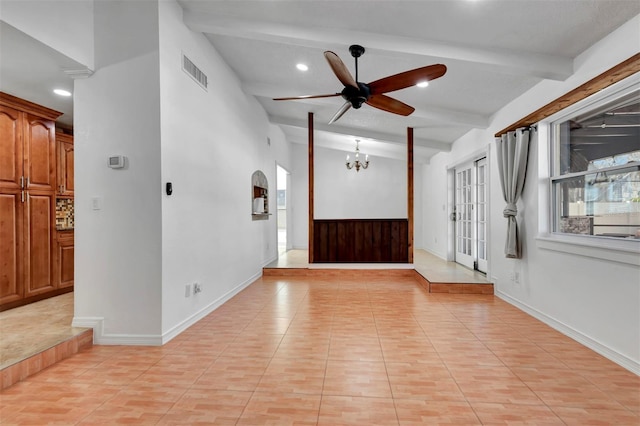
<point x="193" y="71"/>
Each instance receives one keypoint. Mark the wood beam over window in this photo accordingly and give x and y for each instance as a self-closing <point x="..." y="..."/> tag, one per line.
<point x="604" y="80"/>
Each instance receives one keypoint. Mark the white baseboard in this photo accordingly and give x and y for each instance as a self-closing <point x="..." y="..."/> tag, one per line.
<point x="102" y="338"/>
<point x="605" y="351"/>
<point x="436" y="254"/>
<point x="188" y="322"/>
<point x="273" y="259"/>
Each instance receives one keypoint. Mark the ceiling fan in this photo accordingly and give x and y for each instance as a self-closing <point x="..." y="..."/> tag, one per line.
<point x="356" y="93"/>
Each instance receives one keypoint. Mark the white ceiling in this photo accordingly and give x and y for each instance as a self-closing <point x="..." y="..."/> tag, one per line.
<point x="494" y="51"/>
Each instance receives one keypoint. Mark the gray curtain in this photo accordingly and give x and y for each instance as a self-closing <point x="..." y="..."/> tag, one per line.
<point x="512" y="148"/>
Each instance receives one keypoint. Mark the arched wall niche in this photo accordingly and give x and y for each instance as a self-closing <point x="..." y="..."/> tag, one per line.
<point x="259" y="196"/>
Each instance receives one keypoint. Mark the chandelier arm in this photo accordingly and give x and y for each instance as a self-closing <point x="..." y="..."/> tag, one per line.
<point x="357" y="163"/>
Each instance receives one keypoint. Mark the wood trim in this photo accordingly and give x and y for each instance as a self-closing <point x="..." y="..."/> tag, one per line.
<point x="410" y="191"/>
<point x="63" y="137"/>
<point x="311" y="185"/>
<point x="604" y="80"/>
<point x="361" y="240"/>
<point x="28" y="107"/>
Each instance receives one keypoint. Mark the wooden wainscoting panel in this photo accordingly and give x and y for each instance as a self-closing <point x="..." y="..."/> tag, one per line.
<point x="361" y="241"/>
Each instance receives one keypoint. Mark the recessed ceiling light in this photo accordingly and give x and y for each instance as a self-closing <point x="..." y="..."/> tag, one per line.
<point x="302" y="67"/>
<point x="423" y="84"/>
<point x="62" y="92"/>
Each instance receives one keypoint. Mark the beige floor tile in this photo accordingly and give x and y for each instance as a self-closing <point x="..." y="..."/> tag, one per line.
<point x="341" y="350"/>
<point x="233" y="373"/>
<point x="287" y="375"/>
<point x="352" y="410"/>
<point x="281" y="409"/>
<point x="422" y="412"/>
<point x="356" y="378"/>
<point x="206" y="407"/>
<point x="511" y="414"/>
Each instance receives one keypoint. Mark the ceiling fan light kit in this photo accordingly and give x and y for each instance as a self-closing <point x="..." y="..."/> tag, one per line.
<point x="356" y="93"/>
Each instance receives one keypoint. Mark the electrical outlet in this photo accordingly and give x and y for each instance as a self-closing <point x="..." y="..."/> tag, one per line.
<point x="196" y="288"/>
<point x="187" y="290"/>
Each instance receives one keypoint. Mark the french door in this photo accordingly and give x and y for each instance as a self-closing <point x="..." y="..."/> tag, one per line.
<point x="470" y="215"/>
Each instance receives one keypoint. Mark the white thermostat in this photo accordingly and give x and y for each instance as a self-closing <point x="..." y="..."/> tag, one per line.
<point x="117" y="161"/>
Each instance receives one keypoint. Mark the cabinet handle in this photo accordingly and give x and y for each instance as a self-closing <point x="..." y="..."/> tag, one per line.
<point x="21" y="182"/>
<point x="22" y="196"/>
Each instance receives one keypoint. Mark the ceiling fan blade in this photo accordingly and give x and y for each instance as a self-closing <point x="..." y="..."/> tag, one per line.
<point x="389" y="104"/>
<point x="293" y="98"/>
<point x="344" y="108"/>
<point x="340" y="69"/>
<point x="407" y="79"/>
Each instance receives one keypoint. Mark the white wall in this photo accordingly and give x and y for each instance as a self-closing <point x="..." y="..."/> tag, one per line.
<point x="117" y="112"/>
<point x="136" y="254"/>
<point x="212" y="142"/>
<point x="300" y="195"/>
<point x="380" y="192"/>
<point x="595" y="301"/>
<point x="64" y="25"/>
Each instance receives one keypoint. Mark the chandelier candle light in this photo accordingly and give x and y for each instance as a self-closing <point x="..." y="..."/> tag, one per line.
<point x="356" y="163"/>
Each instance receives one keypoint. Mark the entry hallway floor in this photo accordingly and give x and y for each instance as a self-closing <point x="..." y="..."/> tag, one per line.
<point x="363" y="350"/>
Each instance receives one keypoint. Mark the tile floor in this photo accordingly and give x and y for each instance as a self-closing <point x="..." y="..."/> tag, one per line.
<point x="39" y="326"/>
<point x="310" y="350"/>
<point x="433" y="268"/>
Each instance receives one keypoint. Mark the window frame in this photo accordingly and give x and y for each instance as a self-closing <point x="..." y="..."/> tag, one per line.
<point x="604" y="247"/>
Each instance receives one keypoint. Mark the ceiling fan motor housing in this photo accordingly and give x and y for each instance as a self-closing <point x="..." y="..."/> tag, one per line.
<point x="356" y="96"/>
<point x="356" y="50"/>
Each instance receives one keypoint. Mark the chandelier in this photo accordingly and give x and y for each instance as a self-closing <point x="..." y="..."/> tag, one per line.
<point x="357" y="163"/>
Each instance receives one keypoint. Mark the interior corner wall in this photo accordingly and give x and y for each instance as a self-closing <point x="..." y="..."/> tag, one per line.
<point x="118" y="211"/>
<point x="63" y="25"/>
<point x="595" y="301"/>
<point x="212" y="142"/>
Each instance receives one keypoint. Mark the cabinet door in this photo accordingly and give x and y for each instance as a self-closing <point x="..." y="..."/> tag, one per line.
<point x="40" y="153"/>
<point x="10" y="148"/>
<point x="39" y="231"/>
<point x="11" y="247"/>
<point x="65" y="262"/>
<point x="65" y="164"/>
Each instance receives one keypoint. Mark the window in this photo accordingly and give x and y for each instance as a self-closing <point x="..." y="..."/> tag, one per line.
<point x="595" y="173"/>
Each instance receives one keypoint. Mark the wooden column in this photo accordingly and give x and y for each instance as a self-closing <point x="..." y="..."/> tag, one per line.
<point x="310" y="137"/>
<point x="410" y="190"/>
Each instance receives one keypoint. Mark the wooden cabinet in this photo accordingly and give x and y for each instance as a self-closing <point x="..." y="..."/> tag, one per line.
<point x="64" y="144"/>
<point x="27" y="201"/>
<point x="65" y="257"/>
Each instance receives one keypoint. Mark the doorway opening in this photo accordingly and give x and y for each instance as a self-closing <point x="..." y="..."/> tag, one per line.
<point x="282" y="182"/>
<point x="470" y="214"/>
